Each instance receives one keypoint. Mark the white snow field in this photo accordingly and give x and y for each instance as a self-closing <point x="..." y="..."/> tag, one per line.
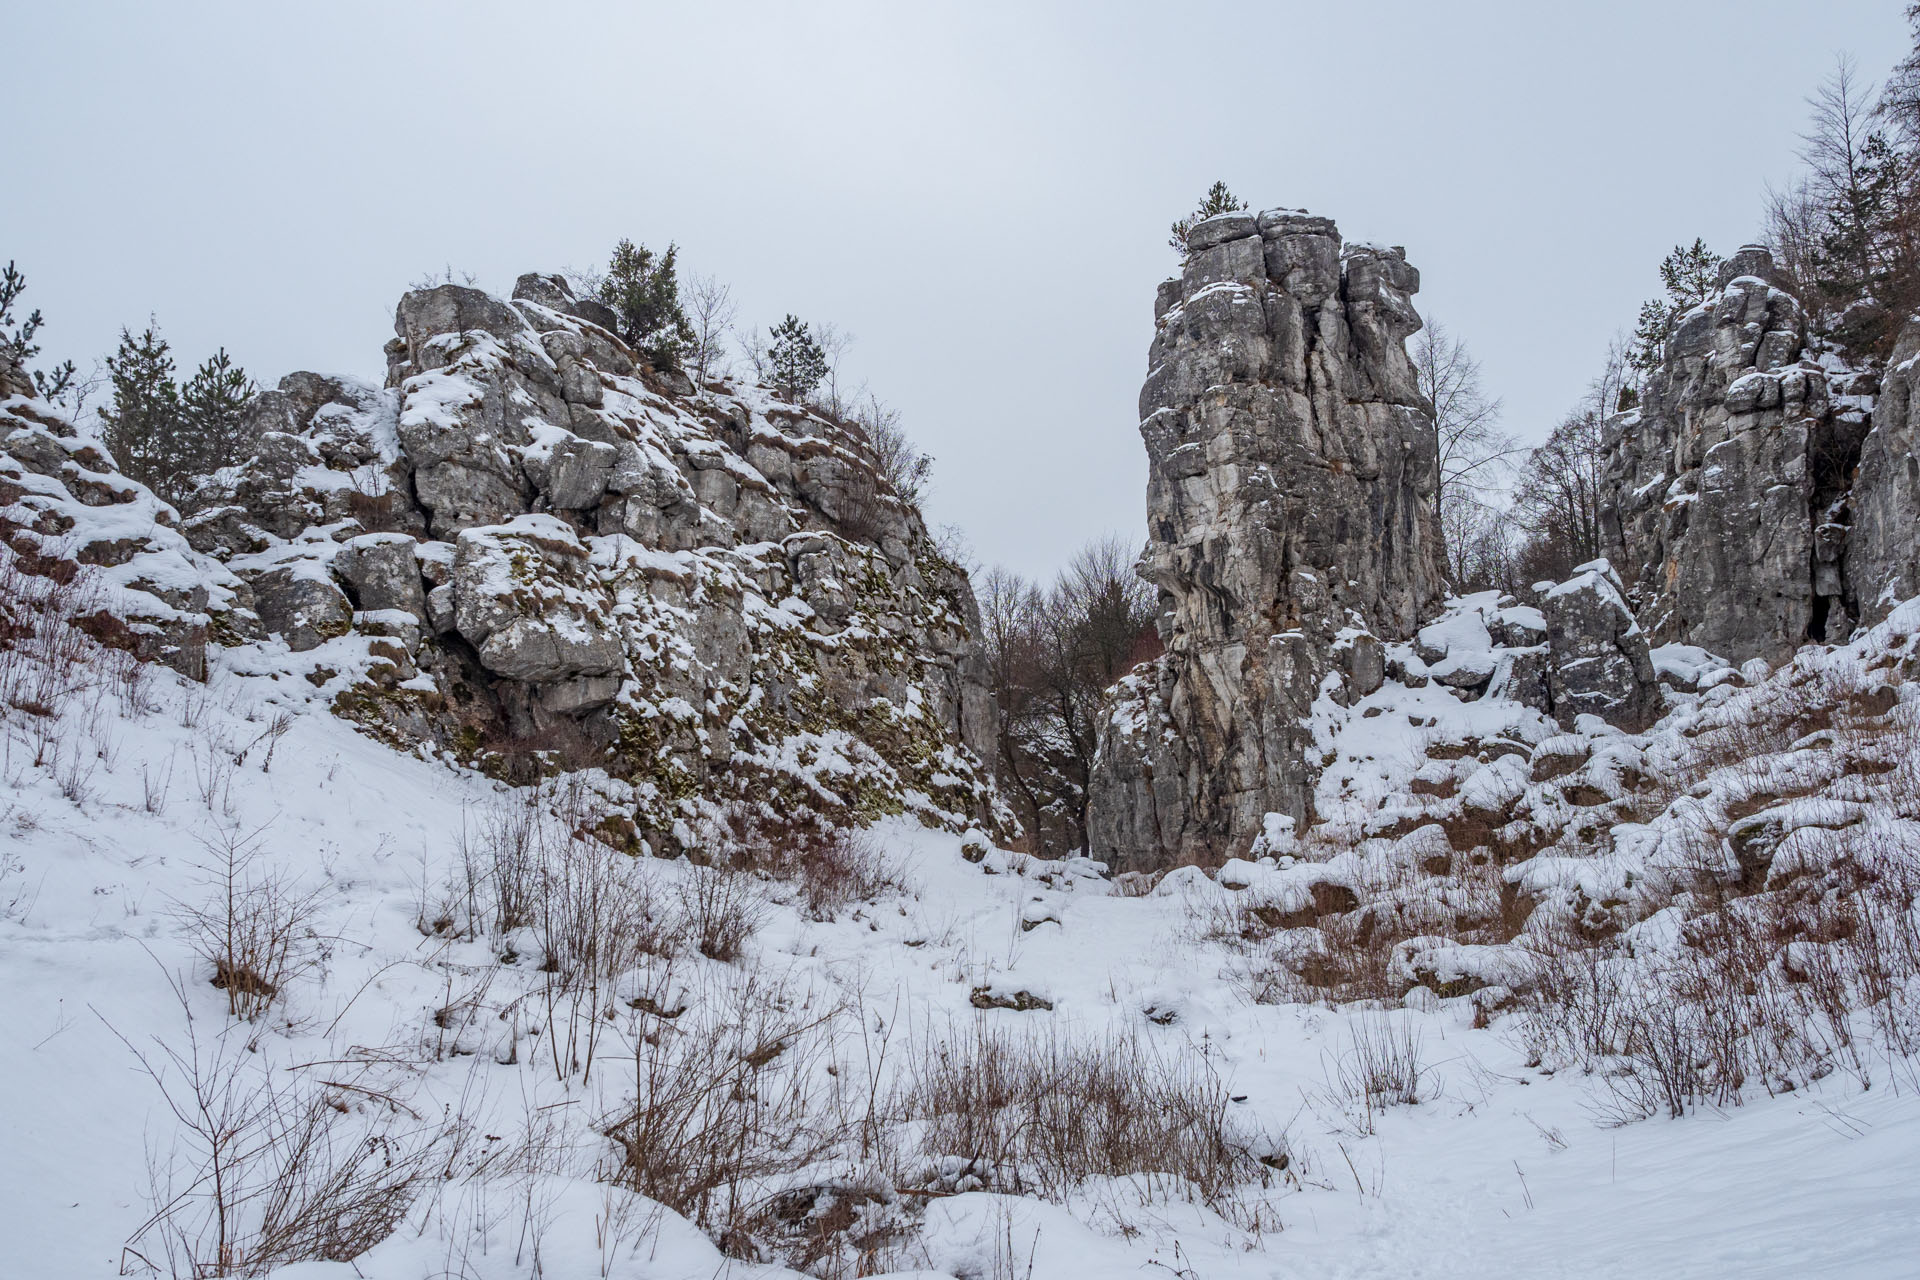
<point x="405" y="1013"/>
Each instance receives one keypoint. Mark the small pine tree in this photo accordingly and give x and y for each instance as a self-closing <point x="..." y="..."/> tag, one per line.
<point x="143" y="423"/>
<point x="798" y="363"/>
<point x="210" y="406"/>
<point x="17" y="346"/>
<point x="1688" y="274"/>
<point x="644" y="293"/>
<point x="1217" y="200"/>
<point x="1650" y="336"/>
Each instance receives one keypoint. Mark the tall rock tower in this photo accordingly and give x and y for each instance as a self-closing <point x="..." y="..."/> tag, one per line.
<point x="1291" y="525"/>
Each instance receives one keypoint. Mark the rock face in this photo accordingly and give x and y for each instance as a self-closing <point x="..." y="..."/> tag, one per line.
<point x="1599" y="663"/>
<point x="533" y="551"/>
<point x="1290" y="526"/>
<point x="1883" y="548"/>
<point x="1729" y="492"/>
<point x="68" y="516"/>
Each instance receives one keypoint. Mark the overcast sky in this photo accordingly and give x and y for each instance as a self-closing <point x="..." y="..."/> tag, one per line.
<point x="978" y="192"/>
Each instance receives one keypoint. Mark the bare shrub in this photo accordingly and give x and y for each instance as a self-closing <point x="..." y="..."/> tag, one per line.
<point x="596" y="916"/>
<point x="1762" y="991"/>
<point x="44" y="656"/>
<point x="721" y="908"/>
<point x="1041" y="1113"/>
<point x="1380" y="1066"/>
<point x="267" y="1169"/>
<point x="726" y="1103"/>
<point x="255" y="929"/>
<point x="499" y="860"/>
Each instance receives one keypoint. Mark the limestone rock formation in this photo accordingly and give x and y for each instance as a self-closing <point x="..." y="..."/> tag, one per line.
<point x="1290" y="525"/>
<point x="532" y="550"/>
<point x="1600" y="664"/>
<point x="1883" y="547"/>
<point x="1727" y="494"/>
<point x="68" y="516"/>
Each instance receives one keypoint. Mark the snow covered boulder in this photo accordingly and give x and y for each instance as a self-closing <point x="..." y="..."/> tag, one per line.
<point x="382" y="572"/>
<point x="525" y="596"/>
<point x="301" y="605"/>
<point x="1599" y="660"/>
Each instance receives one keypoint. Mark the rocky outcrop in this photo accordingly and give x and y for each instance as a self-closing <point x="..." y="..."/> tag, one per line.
<point x="1883" y="546"/>
<point x="1599" y="662"/>
<point x="1290" y="525"/>
<point x="531" y="550"/>
<point x="1729" y="493"/>
<point x="67" y="515"/>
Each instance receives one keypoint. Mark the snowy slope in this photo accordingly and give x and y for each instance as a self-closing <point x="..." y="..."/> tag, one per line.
<point x="410" y="1024"/>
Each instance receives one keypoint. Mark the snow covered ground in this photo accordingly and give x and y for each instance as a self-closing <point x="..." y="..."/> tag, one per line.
<point x="119" y="834"/>
<point x="411" y="1027"/>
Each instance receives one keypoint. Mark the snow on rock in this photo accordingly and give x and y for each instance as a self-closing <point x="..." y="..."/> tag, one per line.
<point x="712" y="593"/>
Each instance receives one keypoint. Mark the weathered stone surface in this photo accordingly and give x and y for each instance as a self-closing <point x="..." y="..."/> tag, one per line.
<point x="1882" y="551"/>
<point x="1219" y="229"/>
<point x="1290" y="498"/>
<point x="1598" y="664"/>
<point x="572" y="474"/>
<point x="304" y="609"/>
<point x="524" y="597"/>
<point x="1725" y="500"/>
<point x="382" y="572"/>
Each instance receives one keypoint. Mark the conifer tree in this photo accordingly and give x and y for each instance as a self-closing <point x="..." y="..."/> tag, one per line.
<point x="644" y="292"/>
<point x="143" y="422"/>
<point x="210" y="406"/>
<point x="1217" y="200"/>
<point x="1688" y="275"/>
<point x="798" y="363"/>
<point x="17" y="346"/>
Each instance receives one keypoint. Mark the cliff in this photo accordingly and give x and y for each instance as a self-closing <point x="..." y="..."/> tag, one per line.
<point x="1741" y="498"/>
<point x="1290" y="527"/>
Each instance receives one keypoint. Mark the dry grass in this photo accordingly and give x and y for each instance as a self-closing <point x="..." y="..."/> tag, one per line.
<point x="1380" y="1066"/>
<point x="1041" y="1113"/>
<point x="727" y="1103"/>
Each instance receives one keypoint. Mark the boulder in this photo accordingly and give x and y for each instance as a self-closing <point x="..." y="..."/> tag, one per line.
<point x="382" y="572"/>
<point x="525" y="598"/>
<point x="301" y="606"/>
<point x="1599" y="663"/>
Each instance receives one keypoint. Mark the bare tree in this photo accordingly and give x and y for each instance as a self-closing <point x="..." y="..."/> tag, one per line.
<point x="905" y="469"/>
<point x="1010" y="607"/>
<point x="755" y="351"/>
<point x="834" y="342"/>
<point x="1052" y="656"/>
<point x="1557" y="499"/>
<point x="1475" y="454"/>
<point x="710" y="309"/>
<point x="1837" y="150"/>
<point x="1793" y="236"/>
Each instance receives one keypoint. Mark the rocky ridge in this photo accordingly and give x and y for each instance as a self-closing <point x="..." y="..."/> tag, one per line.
<point x="1762" y="492"/>
<point x="531" y="551"/>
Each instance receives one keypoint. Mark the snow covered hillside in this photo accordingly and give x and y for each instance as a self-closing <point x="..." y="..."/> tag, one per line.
<point x="285" y="1001"/>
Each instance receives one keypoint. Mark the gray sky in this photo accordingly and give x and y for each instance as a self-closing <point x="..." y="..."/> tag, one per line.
<point x="978" y="192"/>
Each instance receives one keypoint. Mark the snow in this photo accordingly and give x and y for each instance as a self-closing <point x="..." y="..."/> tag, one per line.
<point x="1502" y="1168"/>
